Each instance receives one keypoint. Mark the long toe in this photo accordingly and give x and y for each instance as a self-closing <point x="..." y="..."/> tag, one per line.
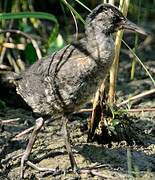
<point x="23" y="160"/>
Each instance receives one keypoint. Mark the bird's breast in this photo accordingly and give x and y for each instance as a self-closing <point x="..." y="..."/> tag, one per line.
<point x="82" y="78"/>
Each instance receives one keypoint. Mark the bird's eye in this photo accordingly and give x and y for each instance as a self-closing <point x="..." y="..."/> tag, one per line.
<point x="116" y="19"/>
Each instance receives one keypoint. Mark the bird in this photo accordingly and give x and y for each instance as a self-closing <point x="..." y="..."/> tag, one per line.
<point x="62" y="82"/>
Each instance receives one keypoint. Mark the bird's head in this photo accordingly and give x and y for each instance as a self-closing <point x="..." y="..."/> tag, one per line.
<point x="108" y="19"/>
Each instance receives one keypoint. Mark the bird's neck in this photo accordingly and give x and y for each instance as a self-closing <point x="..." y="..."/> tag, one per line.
<point x="100" y="44"/>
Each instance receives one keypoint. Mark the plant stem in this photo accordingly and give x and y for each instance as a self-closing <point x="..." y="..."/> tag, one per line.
<point x="134" y="61"/>
<point x="124" y="4"/>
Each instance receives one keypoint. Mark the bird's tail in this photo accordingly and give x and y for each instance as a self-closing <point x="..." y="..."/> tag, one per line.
<point x="9" y="78"/>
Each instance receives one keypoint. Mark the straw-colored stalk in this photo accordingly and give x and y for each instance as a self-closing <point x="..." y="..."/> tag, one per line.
<point x="124" y="4"/>
<point x="97" y="104"/>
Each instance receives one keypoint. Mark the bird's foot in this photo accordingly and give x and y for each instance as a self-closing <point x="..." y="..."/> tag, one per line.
<point x="51" y="171"/>
<point x="44" y="170"/>
<point x="74" y="167"/>
<point x="23" y="160"/>
<point x="38" y="125"/>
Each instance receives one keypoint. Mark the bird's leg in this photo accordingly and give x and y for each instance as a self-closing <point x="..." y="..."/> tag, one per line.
<point x="68" y="146"/>
<point x="38" y="125"/>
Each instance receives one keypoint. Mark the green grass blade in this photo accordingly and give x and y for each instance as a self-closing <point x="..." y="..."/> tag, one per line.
<point x="148" y="73"/>
<point x="39" y="15"/>
<point x="20" y="15"/>
<point x="74" y="11"/>
<point x="83" y="5"/>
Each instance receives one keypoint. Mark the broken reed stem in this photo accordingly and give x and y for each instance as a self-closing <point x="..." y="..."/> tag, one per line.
<point x="99" y="94"/>
<point x="8" y="121"/>
<point x="13" y="46"/>
<point x="34" y="43"/>
<point x="136" y="97"/>
<point x="96" y="110"/>
<point x="124" y="4"/>
<point x="137" y="110"/>
<point x="143" y="94"/>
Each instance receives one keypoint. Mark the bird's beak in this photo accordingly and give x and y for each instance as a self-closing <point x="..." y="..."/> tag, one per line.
<point x="133" y="27"/>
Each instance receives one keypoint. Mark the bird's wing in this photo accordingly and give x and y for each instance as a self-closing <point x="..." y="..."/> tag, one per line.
<point x="63" y="68"/>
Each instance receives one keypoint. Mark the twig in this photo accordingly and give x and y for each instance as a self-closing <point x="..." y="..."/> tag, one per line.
<point x="34" y="43"/>
<point x="87" y="170"/>
<point x="11" y="158"/>
<point x="84" y="110"/>
<point x="5" y="67"/>
<point x="41" y="168"/>
<point x="96" y="173"/>
<point x="130" y="110"/>
<point x="23" y="133"/>
<point x="13" y="46"/>
<point x="10" y="121"/>
<point x="4" y="48"/>
<point x="31" y="128"/>
<point x="141" y="110"/>
<point x="13" y="63"/>
<point x="137" y="97"/>
<point x="6" y="40"/>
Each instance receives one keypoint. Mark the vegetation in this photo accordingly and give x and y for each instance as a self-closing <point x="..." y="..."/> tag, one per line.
<point x="32" y="29"/>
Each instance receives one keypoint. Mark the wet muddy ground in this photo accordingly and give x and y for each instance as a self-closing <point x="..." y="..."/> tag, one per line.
<point x="49" y="151"/>
<point x="96" y="161"/>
